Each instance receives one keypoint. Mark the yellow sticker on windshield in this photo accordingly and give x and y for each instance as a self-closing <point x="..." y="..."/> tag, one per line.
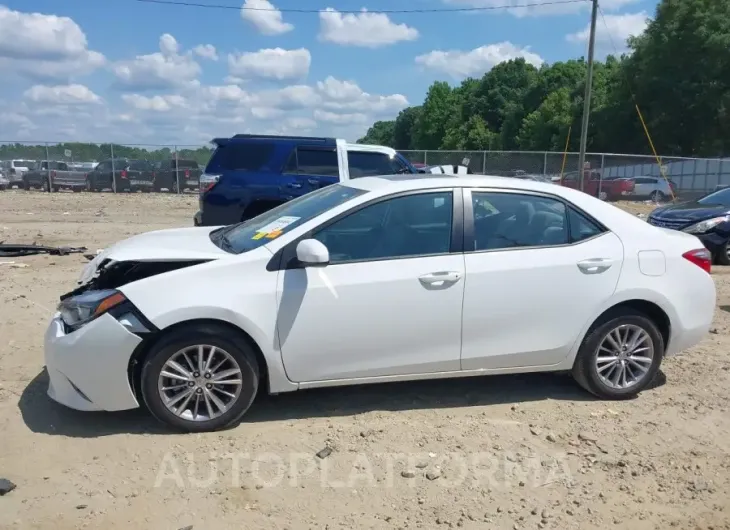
<point x="259" y="235"/>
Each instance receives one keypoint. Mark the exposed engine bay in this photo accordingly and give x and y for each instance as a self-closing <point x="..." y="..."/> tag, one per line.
<point x="112" y="274"/>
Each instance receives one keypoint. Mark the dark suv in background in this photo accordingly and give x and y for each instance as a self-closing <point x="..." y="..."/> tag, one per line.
<point x="173" y="174"/>
<point x="127" y="174"/>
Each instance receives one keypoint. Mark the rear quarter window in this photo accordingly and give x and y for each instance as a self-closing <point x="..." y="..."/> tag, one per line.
<point x="241" y="156"/>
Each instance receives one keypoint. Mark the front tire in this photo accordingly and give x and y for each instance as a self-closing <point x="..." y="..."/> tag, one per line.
<point x="620" y="356"/>
<point x="201" y="378"/>
<point x="657" y="196"/>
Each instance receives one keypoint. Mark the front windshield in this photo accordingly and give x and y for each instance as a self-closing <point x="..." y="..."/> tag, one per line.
<point x="719" y="198"/>
<point x="263" y="229"/>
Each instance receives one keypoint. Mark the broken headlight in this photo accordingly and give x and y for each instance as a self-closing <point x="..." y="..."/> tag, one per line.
<point x="85" y="307"/>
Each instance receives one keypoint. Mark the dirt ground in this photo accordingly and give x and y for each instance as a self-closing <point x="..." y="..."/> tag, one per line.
<point x="496" y="452"/>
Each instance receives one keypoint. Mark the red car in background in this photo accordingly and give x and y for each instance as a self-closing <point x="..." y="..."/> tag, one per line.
<point x="604" y="189"/>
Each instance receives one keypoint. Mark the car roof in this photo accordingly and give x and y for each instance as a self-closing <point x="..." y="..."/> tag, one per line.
<point x="406" y="182"/>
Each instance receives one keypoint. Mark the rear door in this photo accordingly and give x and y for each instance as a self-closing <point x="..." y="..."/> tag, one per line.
<point x="536" y="270"/>
<point x="103" y="175"/>
<point x="309" y="168"/>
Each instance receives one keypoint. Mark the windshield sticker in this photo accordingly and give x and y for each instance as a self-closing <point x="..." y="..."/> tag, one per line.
<point x="259" y="235"/>
<point x="278" y="224"/>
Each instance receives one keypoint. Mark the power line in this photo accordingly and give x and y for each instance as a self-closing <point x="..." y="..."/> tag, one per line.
<point x="183" y="3"/>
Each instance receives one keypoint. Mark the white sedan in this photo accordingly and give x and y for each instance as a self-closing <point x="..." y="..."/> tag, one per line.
<point x="382" y="279"/>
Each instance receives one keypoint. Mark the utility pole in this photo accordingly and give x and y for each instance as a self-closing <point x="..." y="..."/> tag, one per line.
<point x="587" y="100"/>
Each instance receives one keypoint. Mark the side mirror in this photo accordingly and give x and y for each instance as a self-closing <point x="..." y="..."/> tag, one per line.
<point x="312" y="253"/>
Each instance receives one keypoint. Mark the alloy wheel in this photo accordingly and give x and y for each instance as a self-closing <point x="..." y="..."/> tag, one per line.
<point x="624" y="356"/>
<point x="200" y="382"/>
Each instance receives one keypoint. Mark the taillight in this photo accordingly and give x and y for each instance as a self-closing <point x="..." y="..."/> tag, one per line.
<point x="187" y="173"/>
<point x="124" y="173"/>
<point x="207" y="181"/>
<point x="700" y="257"/>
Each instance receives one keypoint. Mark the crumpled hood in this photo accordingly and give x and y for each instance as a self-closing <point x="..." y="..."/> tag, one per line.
<point x="177" y="244"/>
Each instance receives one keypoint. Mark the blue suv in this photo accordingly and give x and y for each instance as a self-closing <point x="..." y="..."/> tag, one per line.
<point x="250" y="174"/>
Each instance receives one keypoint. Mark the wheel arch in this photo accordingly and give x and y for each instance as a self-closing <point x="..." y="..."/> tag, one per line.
<point x="136" y="361"/>
<point x="650" y="309"/>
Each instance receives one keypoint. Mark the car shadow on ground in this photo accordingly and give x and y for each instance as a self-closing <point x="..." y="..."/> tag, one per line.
<point x="43" y="415"/>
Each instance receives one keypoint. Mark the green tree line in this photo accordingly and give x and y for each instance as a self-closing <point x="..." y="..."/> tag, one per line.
<point x="677" y="72"/>
<point x="82" y="152"/>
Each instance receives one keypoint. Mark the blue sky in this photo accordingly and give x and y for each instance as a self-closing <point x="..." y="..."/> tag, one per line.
<point x="126" y="71"/>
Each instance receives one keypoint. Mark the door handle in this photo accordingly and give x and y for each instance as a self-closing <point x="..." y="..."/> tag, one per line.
<point x="595" y="265"/>
<point x="439" y="279"/>
<point x="313" y="182"/>
<point x="294" y="185"/>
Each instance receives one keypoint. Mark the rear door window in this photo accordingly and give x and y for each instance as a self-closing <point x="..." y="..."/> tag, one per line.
<point x="242" y="156"/>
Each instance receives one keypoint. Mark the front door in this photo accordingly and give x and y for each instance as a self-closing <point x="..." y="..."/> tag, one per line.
<point x="537" y="270"/>
<point x="389" y="302"/>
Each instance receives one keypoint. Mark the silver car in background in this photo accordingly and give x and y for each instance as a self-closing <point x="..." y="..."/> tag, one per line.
<point x="657" y="189"/>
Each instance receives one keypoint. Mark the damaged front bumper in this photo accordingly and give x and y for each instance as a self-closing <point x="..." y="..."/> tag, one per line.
<point x="88" y="368"/>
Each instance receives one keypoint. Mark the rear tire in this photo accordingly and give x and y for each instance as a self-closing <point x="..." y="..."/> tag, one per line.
<point x="241" y="356"/>
<point x="656" y="196"/>
<point x="722" y="257"/>
<point x="596" y="375"/>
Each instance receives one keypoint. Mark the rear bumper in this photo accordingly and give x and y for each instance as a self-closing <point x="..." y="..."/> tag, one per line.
<point x="88" y="368"/>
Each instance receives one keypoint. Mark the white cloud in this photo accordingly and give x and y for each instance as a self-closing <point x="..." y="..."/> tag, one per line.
<point x="272" y="63"/>
<point x="548" y="8"/>
<point x="160" y="70"/>
<point x="169" y="45"/>
<point x="347" y="96"/>
<point x="44" y="46"/>
<point x="264" y="17"/>
<point x="61" y="94"/>
<point x="206" y="51"/>
<point x="267" y="113"/>
<point x="340" y="119"/>
<point x="369" y="30"/>
<point x="459" y="64"/>
<point x="233" y="80"/>
<point x="155" y="103"/>
<point x="614" y="32"/>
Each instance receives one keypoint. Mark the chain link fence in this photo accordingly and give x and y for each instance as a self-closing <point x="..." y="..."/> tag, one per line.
<point x="103" y="167"/>
<point x="176" y="168"/>
<point x="691" y="176"/>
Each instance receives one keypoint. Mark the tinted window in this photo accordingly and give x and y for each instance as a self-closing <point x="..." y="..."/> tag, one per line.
<point x="371" y="164"/>
<point x="243" y="156"/>
<point x="508" y="220"/>
<point x="412" y="225"/>
<point x="140" y="165"/>
<point x="581" y="227"/>
<point x="318" y="162"/>
<point x="282" y="219"/>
